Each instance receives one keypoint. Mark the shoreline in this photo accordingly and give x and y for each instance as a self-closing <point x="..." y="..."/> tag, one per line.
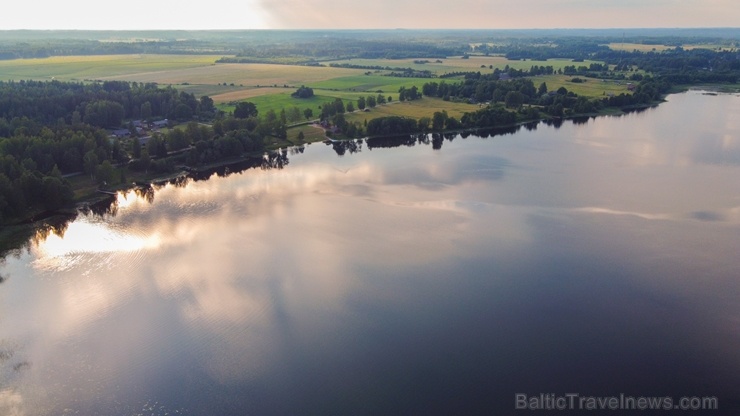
<point x="101" y="195"/>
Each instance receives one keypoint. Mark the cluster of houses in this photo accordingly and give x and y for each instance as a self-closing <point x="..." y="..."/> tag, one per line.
<point x="143" y="129"/>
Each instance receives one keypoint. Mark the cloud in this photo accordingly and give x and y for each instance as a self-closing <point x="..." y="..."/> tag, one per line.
<point x="341" y="14"/>
<point x="474" y="14"/>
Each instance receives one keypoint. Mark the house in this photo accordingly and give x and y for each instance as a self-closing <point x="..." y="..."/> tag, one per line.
<point x="630" y="86"/>
<point x="504" y="76"/>
<point x="121" y="133"/>
<point x="160" y="124"/>
<point x="144" y="140"/>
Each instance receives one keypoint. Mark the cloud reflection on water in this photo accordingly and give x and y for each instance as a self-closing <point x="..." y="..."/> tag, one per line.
<point x="386" y="258"/>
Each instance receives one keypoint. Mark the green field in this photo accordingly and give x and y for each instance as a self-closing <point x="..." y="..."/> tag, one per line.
<point x="592" y="87"/>
<point x="269" y="86"/>
<point x="425" y="107"/>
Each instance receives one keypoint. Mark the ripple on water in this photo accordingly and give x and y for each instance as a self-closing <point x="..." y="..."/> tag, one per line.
<point x="93" y="244"/>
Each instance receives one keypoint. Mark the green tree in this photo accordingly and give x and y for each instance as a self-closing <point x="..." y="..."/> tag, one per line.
<point x="136" y="147"/>
<point x="308" y="113"/>
<point x="294" y="114"/>
<point x="177" y="139"/>
<point x="105" y="172"/>
<point x="514" y="99"/>
<point x="542" y="90"/>
<point x="245" y="109"/>
<point x="146" y="110"/>
<point x="361" y="103"/>
<point x="439" y="119"/>
<point x="57" y="193"/>
<point x="339" y="106"/>
<point x="145" y="159"/>
<point x="156" y="146"/>
<point x="90" y="161"/>
<point x="183" y="112"/>
<point x="206" y="105"/>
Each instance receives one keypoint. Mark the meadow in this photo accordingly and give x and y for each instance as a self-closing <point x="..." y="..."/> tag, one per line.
<point x="424" y="107"/>
<point x="591" y="87"/>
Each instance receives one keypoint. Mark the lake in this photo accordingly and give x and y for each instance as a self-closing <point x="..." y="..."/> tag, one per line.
<point x="403" y="277"/>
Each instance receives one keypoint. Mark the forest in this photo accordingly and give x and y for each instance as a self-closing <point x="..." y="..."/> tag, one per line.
<point x="52" y="130"/>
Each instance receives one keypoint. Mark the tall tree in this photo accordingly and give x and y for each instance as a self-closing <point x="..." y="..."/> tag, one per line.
<point x="245" y="109"/>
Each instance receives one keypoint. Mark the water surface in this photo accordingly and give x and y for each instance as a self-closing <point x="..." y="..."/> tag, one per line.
<point x="598" y="258"/>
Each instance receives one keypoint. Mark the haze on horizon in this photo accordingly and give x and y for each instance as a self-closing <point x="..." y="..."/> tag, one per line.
<point x="378" y="14"/>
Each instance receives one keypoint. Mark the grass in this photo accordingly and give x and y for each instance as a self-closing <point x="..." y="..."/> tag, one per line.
<point x="281" y="99"/>
<point x="425" y="107"/>
<point x="310" y="134"/>
<point x="593" y="87"/>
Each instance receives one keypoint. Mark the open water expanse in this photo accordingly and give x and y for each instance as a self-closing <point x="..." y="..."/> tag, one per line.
<point x="596" y="258"/>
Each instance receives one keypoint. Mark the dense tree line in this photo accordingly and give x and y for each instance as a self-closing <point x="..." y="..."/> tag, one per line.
<point x="34" y="158"/>
<point x="104" y="104"/>
<point x="676" y="65"/>
<point x="392" y="125"/>
<point x="49" y="129"/>
<point x="345" y="45"/>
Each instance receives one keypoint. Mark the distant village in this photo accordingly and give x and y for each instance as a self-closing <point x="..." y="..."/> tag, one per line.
<point x="141" y="130"/>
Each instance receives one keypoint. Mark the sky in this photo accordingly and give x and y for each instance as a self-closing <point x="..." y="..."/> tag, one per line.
<point x="372" y="14"/>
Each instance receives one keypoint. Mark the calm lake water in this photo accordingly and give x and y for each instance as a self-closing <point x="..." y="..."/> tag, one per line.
<point x="599" y="258"/>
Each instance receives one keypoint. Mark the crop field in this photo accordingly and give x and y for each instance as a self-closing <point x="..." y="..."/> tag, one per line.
<point x="80" y="68"/>
<point x="247" y="75"/>
<point x="484" y="64"/>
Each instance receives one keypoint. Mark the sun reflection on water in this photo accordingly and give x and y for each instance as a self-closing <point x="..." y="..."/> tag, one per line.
<point x="88" y="235"/>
